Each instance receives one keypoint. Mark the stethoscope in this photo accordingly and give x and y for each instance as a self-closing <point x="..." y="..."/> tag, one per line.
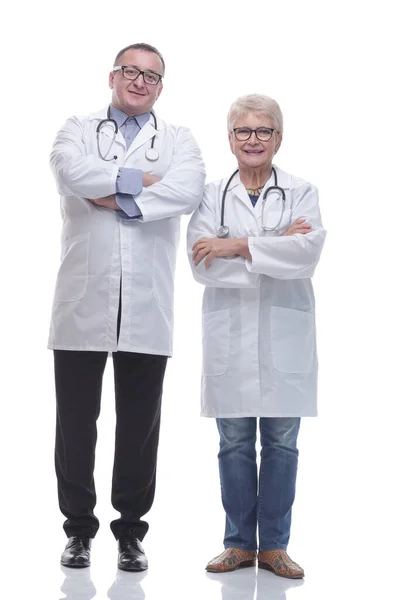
<point x="223" y="230"/>
<point x="151" y="153"/>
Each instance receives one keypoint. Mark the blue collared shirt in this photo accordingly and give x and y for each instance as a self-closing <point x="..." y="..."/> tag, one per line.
<point x="129" y="181"/>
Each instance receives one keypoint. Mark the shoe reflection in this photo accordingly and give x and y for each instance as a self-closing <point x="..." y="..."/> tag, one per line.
<point x="127" y="586"/>
<point x="77" y="584"/>
<point x="237" y="585"/>
<point x="253" y="584"/>
<point x="273" y="587"/>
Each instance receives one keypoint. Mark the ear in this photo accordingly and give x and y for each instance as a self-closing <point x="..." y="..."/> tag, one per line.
<point x="111" y="79"/>
<point x="160" y="88"/>
<point x="278" y="142"/>
<point x="230" y="138"/>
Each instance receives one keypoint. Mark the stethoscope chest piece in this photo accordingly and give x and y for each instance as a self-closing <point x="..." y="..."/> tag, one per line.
<point x="223" y="231"/>
<point x="152" y="154"/>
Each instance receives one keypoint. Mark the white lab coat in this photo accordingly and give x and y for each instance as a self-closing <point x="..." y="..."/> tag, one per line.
<point x="259" y="351"/>
<point x="100" y="251"/>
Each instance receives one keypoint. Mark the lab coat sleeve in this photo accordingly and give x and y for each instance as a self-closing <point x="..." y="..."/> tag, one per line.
<point x="223" y="272"/>
<point x="294" y="256"/>
<point x="181" y="189"/>
<point x="78" y="173"/>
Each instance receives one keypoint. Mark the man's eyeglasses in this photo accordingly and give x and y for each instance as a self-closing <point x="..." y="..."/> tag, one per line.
<point x="133" y="73"/>
<point x="264" y="134"/>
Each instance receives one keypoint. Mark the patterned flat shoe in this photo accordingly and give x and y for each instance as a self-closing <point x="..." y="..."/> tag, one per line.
<point x="232" y="559"/>
<point x="279" y="563"/>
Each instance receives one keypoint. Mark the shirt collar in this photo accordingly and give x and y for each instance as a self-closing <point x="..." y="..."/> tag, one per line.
<point x="120" y="117"/>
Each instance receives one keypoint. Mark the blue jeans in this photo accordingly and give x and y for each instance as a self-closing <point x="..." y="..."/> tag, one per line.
<point x="265" y="500"/>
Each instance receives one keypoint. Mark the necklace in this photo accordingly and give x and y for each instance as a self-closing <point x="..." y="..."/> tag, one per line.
<point x="254" y="191"/>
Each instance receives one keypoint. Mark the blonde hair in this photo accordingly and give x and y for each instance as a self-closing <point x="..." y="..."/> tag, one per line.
<point x="256" y="104"/>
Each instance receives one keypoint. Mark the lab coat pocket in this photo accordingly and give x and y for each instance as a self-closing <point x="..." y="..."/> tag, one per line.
<point x="216" y="342"/>
<point x="292" y="340"/>
<point x="164" y="261"/>
<point x="73" y="273"/>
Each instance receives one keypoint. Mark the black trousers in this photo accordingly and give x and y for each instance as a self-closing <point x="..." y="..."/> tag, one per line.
<point x="138" y="389"/>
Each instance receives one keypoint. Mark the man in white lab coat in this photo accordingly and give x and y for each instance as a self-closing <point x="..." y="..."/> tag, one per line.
<point x="125" y="177"/>
<point x="259" y="353"/>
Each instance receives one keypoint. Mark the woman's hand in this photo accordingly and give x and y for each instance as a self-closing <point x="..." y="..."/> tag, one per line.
<point x="215" y="248"/>
<point x="299" y="226"/>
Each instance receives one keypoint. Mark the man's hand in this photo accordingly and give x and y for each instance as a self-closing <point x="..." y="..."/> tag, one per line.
<point x="216" y="247"/>
<point x="150" y="179"/>
<point x="106" y="202"/>
<point x="299" y="226"/>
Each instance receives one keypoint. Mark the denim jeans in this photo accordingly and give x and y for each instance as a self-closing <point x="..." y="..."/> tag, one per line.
<point x="265" y="499"/>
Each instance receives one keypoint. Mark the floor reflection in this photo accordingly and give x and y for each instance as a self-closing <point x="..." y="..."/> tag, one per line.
<point x="238" y="585"/>
<point x="77" y="584"/>
<point x="273" y="587"/>
<point x="127" y="586"/>
<point x="244" y="584"/>
<point x="253" y="584"/>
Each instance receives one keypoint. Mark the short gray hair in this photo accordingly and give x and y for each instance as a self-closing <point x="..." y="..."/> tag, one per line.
<point x="256" y="104"/>
<point x="140" y="46"/>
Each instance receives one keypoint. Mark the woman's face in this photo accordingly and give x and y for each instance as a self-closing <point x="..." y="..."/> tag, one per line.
<point x="254" y="153"/>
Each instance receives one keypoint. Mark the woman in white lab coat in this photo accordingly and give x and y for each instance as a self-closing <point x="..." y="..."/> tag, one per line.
<point x="259" y="352"/>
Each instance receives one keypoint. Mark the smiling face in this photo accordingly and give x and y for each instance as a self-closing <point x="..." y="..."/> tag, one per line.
<point x="254" y="153"/>
<point x="136" y="97"/>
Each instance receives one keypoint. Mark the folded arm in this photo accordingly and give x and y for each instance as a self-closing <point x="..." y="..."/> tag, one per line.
<point x="130" y="183"/>
<point x="76" y="172"/>
<point x="181" y="189"/>
<point x="291" y="256"/>
<point x="227" y="271"/>
<point x="178" y="192"/>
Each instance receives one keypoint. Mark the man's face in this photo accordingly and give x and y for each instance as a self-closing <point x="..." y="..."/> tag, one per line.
<point x="136" y="97"/>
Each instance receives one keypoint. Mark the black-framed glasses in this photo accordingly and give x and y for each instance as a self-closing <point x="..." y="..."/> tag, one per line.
<point x="132" y="73"/>
<point x="264" y="134"/>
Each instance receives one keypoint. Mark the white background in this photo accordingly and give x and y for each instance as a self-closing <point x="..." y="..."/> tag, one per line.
<point x="333" y="68"/>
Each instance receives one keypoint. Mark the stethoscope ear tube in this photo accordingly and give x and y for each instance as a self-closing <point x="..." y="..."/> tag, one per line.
<point x="98" y="129"/>
<point x="223" y="230"/>
<point x="271" y="189"/>
<point x="108" y="120"/>
<point x="151" y="154"/>
<point x="264" y="199"/>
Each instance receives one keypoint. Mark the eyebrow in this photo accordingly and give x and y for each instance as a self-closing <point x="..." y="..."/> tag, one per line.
<point x="148" y="70"/>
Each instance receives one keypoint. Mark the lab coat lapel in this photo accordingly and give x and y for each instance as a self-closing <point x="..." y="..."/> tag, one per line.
<point x="239" y="209"/>
<point x="145" y="134"/>
<point x="239" y="192"/>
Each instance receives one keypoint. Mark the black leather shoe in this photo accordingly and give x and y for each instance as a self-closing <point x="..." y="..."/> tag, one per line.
<point x="77" y="552"/>
<point x="131" y="556"/>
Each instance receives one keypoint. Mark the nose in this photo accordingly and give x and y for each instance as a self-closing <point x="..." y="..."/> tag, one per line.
<point x="253" y="139"/>
<point x="139" y="81"/>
